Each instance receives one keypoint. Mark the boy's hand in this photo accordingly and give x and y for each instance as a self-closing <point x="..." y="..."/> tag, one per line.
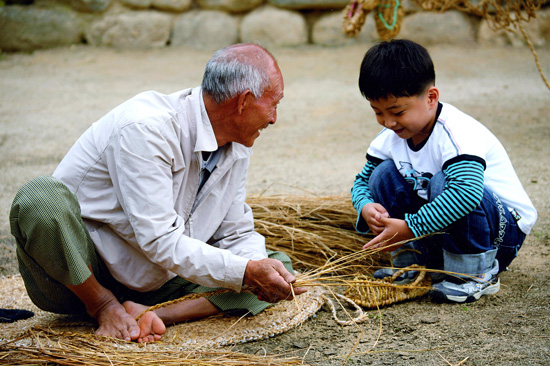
<point x="372" y="213"/>
<point x="395" y="230"/>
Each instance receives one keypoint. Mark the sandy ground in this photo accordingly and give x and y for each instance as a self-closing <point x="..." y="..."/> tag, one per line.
<point x="49" y="98"/>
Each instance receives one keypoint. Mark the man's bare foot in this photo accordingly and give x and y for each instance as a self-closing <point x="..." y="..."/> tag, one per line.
<point x="151" y="326"/>
<point x="114" y="321"/>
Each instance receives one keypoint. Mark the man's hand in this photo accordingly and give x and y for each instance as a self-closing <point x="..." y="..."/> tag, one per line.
<point x="395" y="230"/>
<point x="270" y="280"/>
<point x="373" y="213"/>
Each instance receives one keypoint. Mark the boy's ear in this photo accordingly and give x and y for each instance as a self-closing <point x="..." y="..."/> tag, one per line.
<point x="433" y="96"/>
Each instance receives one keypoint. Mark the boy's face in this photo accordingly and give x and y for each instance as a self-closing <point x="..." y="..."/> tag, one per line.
<point x="409" y="117"/>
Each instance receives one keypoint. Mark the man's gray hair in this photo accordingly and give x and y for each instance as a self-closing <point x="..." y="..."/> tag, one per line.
<point x="229" y="73"/>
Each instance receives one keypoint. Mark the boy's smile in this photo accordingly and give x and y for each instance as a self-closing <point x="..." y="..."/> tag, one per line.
<point x="409" y="117"/>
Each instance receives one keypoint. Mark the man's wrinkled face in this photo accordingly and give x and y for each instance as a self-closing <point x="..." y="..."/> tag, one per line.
<point x="261" y="112"/>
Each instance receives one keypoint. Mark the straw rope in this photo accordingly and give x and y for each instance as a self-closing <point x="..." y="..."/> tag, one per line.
<point x="499" y="14"/>
<point x="388" y="18"/>
<point x="373" y="293"/>
<point x="355" y="14"/>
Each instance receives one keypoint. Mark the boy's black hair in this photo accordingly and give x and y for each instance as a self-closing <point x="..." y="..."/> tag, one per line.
<point x="399" y="68"/>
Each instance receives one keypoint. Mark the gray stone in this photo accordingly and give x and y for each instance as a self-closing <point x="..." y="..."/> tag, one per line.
<point x="410" y="6"/>
<point x="310" y="4"/>
<point x="89" y="5"/>
<point x="328" y="31"/>
<point x="205" y="29"/>
<point x="543" y="18"/>
<point x="270" y="26"/>
<point x="137" y="4"/>
<point x="168" y="5"/>
<point x="232" y="6"/>
<point x="451" y="27"/>
<point x="131" y="29"/>
<point x="172" y="5"/>
<point x="536" y="29"/>
<point x="488" y="36"/>
<point x="31" y="27"/>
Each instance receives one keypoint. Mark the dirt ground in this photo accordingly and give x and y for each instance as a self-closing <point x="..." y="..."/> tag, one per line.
<point x="48" y="98"/>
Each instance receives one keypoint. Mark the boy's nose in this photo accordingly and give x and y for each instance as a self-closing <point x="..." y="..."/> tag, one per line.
<point x="389" y="123"/>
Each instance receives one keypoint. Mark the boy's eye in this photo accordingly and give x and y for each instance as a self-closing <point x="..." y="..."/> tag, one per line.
<point x="398" y="113"/>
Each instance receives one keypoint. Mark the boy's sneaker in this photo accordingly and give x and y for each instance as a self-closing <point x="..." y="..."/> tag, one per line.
<point x="467" y="289"/>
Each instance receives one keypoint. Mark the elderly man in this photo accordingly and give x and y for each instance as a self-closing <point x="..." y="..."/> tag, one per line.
<point x="149" y="205"/>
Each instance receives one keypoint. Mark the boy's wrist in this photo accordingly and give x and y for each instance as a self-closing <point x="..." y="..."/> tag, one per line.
<point x="409" y="218"/>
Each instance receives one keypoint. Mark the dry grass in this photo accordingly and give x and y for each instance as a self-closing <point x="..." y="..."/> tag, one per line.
<point x="316" y="232"/>
<point x="42" y="346"/>
<point x="311" y="230"/>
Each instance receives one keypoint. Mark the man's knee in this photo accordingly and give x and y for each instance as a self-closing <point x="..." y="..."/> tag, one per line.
<point x="41" y="204"/>
<point x="285" y="259"/>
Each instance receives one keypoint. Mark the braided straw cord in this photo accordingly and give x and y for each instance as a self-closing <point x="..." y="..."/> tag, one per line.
<point x="372" y="293"/>
<point x="361" y="316"/>
<point x="535" y="55"/>
<point x="500" y="14"/>
<point x="387" y="18"/>
<point x="190" y="297"/>
<point x="355" y="14"/>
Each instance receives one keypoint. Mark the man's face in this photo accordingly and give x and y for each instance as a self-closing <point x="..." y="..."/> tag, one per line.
<point x="261" y="112"/>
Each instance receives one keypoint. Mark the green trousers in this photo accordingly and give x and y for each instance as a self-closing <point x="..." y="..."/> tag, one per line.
<point x="54" y="249"/>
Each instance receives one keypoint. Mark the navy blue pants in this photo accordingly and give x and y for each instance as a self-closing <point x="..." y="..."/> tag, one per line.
<point x="469" y="245"/>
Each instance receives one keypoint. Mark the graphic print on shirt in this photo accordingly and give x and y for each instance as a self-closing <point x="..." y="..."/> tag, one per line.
<point x="417" y="180"/>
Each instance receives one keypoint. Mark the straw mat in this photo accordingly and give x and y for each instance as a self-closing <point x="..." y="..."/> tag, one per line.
<point x="212" y="332"/>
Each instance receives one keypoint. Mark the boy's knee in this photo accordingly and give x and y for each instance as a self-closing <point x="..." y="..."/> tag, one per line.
<point x="381" y="172"/>
<point x="436" y="185"/>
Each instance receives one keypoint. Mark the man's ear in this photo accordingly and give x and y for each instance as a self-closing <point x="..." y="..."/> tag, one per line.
<point x="243" y="100"/>
<point x="432" y="96"/>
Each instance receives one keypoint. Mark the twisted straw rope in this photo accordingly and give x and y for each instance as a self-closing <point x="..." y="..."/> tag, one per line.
<point x="500" y="14"/>
<point x="373" y="293"/>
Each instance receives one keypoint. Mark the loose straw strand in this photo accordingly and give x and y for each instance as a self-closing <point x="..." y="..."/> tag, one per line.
<point x="534" y="52"/>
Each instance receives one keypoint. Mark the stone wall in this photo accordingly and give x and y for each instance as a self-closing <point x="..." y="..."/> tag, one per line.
<point x="211" y="24"/>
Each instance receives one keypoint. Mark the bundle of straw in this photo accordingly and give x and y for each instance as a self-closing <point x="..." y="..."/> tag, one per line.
<point x="311" y="230"/>
<point x="319" y="234"/>
<point x="46" y="346"/>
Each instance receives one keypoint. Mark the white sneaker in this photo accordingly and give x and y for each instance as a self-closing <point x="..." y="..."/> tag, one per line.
<point x="467" y="289"/>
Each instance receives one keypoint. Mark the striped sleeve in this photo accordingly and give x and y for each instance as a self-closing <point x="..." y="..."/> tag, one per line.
<point x="462" y="194"/>
<point x="360" y="193"/>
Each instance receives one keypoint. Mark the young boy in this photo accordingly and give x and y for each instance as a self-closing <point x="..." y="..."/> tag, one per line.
<point x="435" y="169"/>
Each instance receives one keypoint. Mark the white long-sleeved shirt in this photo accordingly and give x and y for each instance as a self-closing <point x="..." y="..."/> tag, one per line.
<point x="136" y="174"/>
